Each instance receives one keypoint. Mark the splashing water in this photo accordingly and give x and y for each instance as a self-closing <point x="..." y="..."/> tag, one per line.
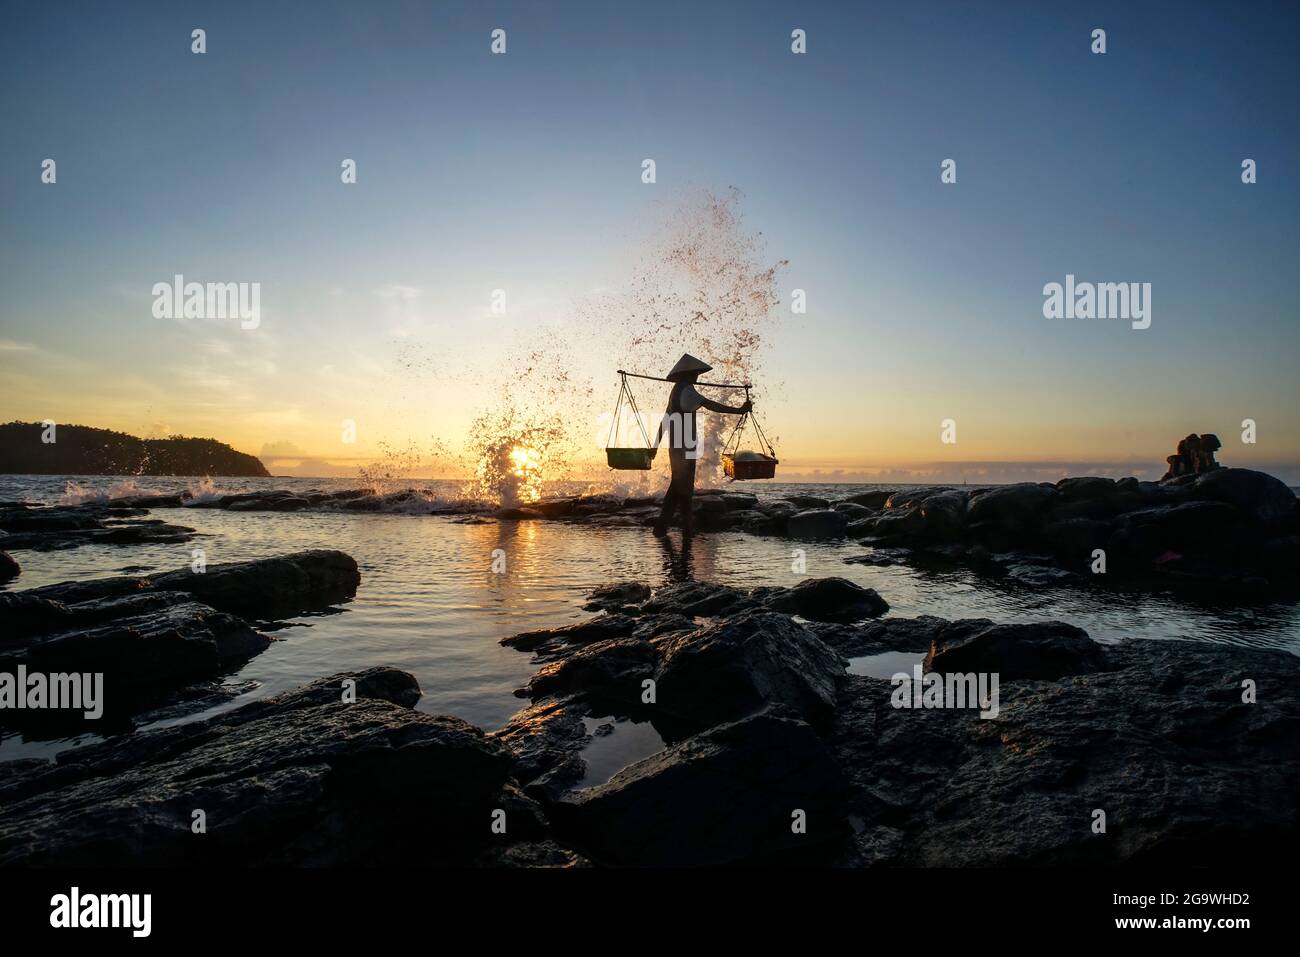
<point x="75" y="493"/>
<point x="395" y="468"/>
<point x="517" y="456"/>
<point x="700" y="287"/>
<point x="204" y="490"/>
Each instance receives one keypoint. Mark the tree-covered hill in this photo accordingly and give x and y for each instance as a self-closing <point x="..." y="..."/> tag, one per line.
<point x="82" y="450"/>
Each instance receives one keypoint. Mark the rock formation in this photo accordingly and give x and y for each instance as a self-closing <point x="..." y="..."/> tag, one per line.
<point x="1195" y="455"/>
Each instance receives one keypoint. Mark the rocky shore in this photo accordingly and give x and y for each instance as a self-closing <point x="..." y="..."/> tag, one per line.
<point x="772" y="750"/>
<point x="1225" y="532"/>
<point x="151" y="638"/>
<point x="692" y="723"/>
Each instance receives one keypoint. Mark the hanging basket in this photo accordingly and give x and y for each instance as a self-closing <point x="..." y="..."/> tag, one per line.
<point x="744" y="468"/>
<point x="743" y="465"/>
<point x="622" y="458"/>
<point x="630" y="460"/>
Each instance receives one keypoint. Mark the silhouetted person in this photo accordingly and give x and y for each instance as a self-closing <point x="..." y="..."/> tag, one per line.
<point x="684" y="439"/>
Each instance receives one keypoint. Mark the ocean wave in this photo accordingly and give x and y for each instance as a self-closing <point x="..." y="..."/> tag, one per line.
<point x="74" y="493"/>
<point x="203" y="491"/>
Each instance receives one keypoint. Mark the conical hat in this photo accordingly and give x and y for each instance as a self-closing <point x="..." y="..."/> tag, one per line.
<point x="687" y="365"/>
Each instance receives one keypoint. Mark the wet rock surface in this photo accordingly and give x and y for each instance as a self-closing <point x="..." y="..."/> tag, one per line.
<point x="144" y="646"/>
<point x="1161" y="741"/>
<point x="771" y="752"/>
<point x="1225" y="532"/>
<point x="1077" y="723"/>
<point x="726" y="796"/>
<point x="150" y="637"/>
<point x="50" y="528"/>
<point x="301" y="779"/>
<point x="263" y="589"/>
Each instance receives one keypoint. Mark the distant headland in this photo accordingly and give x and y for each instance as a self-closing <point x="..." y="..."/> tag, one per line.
<point x="33" y="448"/>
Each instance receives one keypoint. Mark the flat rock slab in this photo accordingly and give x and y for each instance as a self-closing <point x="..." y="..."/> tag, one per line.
<point x="727" y="796"/>
<point x="264" y="589"/>
<point x="302" y="779"/>
<point x="1162" y="742"/>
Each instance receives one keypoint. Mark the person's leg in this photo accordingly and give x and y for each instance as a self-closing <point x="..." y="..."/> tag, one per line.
<point x="666" y="512"/>
<point x="686" y="497"/>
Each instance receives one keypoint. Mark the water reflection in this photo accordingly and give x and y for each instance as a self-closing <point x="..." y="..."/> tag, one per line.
<point x="678" y="565"/>
<point x="431" y="603"/>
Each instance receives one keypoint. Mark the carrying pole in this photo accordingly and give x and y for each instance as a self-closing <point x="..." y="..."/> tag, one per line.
<point x="715" y="385"/>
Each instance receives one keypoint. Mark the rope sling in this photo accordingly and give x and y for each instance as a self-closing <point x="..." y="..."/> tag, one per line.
<point x="628" y="458"/>
<point x="631" y="458"/>
<point x="762" y="465"/>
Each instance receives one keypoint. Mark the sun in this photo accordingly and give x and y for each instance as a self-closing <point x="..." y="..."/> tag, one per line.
<point x="524" y="460"/>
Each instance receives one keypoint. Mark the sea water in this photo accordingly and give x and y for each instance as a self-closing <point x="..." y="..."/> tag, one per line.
<point x="430" y="603"/>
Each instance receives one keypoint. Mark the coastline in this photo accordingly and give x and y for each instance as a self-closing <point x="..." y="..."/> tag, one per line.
<point x="760" y="702"/>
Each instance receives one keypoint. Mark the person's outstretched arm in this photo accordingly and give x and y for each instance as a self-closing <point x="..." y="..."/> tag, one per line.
<point x="732" y="409"/>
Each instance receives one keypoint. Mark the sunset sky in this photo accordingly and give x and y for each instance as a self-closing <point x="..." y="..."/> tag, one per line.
<point x="523" y="172"/>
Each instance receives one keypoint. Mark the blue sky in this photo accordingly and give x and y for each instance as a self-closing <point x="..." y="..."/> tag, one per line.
<point x="523" y="171"/>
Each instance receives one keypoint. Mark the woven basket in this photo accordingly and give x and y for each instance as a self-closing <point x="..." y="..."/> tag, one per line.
<point x="763" y="468"/>
<point x="630" y="460"/>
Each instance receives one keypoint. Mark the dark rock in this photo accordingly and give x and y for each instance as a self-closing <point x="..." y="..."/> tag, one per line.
<point x="739" y="501"/>
<point x="880" y="557"/>
<point x="1087" y="488"/>
<point x="878" y="637"/>
<point x="618" y="596"/>
<point x="264" y="588"/>
<point x="1045" y="651"/>
<point x="545" y="741"/>
<point x="854" y="511"/>
<point x="555" y="508"/>
<point x="876" y="499"/>
<point x="709" y="505"/>
<point x="657" y="625"/>
<point x="1074" y="540"/>
<point x="298" y="780"/>
<point x="732" y="668"/>
<point x="699" y="600"/>
<point x="518" y="513"/>
<point x="942" y="515"/>
<point x="549" y="641"/>
<point x="271" y="587"/>
<point x="610" y="671"/>
<point x="860" y="528"/>
<point x="1162" y="741"/>
<point x="291" y="504"/>
<point x="143" y="652"/>
<point x="727" y="796"/>
<point x="817" y="523"/>
<point x="1257" y="494"/>
<point x="151" y="501"/>
<point x="829" y="599"/>
<point x="9" y="567"/>
<point x="23" y="614"/>
<point x="806" y="502"/>
<point x="105" y="533"/>
<point x="1195" y="456"/>
<point x="1147" y="533"/>
<point x="1021" y="503"/>
<point x="996" y="536"/>
<point x="909" y="497"/>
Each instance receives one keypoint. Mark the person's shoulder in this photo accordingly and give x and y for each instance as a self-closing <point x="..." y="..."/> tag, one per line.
<point x="690" y="398"/>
